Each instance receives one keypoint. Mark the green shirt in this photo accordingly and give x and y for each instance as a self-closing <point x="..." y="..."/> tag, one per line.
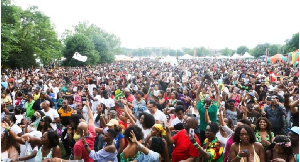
<point x="29" y="110"/>
<point x="212" y="112"/>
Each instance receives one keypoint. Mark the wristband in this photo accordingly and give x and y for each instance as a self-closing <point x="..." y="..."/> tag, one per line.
<point x="195" y="144"/>
<point x="9" y="128"/>
<point x="238" y="156"/>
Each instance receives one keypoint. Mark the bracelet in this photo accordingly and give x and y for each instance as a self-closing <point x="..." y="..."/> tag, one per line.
<point x="238" y="156"/>
<point x="8" y="129"/>
<point x="197" y="148"/>
<point x="195" y="144"/>
<point x="139" y="146"/>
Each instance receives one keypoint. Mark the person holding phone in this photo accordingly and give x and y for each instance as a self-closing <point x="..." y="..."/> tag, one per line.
<point x="184" y="149"/>
<point x="245" y="148"/>
<point x="212" y="149"/>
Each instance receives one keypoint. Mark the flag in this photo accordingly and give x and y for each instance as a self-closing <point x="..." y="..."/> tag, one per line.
<point x="118" y="94"/>
<point x="79" y="57"/>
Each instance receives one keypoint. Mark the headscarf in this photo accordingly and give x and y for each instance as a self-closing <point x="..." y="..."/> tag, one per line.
<point x="160" y="128"/>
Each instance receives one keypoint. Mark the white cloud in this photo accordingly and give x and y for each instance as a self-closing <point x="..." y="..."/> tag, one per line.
<point x="172" y="23"/>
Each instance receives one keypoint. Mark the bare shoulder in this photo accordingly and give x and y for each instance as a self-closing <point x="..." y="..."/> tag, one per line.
<point x="259" y="145"/>
<point x="110" y="148"/>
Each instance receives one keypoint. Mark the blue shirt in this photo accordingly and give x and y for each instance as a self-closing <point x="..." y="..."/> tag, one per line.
<point x="151" y="157"/>
<point x="276" y="116"/>
<point x="104" y="156"/>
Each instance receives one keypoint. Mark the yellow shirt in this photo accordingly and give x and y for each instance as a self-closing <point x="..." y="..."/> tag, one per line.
<point x="65" y="113"/>
<point x="36" y="96"/>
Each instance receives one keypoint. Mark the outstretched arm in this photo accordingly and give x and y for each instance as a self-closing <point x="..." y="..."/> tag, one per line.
<point x="199" y="90"/>
<point x="90" y="114"/>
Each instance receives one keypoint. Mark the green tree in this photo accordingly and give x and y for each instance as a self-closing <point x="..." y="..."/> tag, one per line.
<point x="292" y="44"/>
<point x="259" y="50"/>
<point x="83" y="45"/>
<point x="275" y="49"/>
<point x="227" y="52"/>
<point x="26" y="35"/>
<point x="242" y="50"/>
<point x="107" y="44"/>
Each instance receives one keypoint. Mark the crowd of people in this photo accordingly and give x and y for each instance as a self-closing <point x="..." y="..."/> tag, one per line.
<point x="196" y="110"/>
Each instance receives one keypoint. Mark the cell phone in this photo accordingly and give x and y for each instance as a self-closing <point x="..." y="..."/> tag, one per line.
<point x="192" y="132"/>
<point x="83" y="99"/>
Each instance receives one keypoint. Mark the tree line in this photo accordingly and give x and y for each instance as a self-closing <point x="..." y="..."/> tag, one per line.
<point x="259" y="50"/>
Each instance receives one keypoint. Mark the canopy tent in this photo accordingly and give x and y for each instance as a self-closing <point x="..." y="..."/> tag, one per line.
<point x="263" y="56"/>
<point x="136" y="58"/>
<point x="223" y="57"/>
<point x="186" y="57"/>
<point x="169" y="59"/>
<point x="247" y="56"/>
<point x="208" y="57"/>
<point x="277" y="57"/>
<point x="122" y="58"/>
<point x="235" y="56"/>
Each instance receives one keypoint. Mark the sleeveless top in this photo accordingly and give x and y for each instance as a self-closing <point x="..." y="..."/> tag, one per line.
<point x="122" y="159"/>
<point x="39" y="155"/>
<point x="256" y="157"/>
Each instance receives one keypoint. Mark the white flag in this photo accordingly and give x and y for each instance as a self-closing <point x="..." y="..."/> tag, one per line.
<point x="79" y="57"/>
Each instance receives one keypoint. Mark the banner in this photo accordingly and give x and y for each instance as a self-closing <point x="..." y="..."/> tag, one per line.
<point x="79" y="57"/>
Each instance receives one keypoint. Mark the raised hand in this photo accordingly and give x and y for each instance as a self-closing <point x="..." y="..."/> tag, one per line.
<point x="133" y="138"/>
<point x="4" y="125"/>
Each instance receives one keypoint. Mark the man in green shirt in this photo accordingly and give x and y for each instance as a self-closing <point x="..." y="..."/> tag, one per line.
<point x="28" y="106"/>
<point x="207" y="103"/>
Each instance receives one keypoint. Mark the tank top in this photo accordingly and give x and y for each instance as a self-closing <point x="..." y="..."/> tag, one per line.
<point x="256" y="157"/>
<point x="39" y="155"/>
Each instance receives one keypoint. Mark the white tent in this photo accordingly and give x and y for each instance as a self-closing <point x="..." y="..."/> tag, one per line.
<point x="169" y="59"/>
<point x="247" y="55"/>
<point x="223" y="57"/>
<point x="186" y="57"/>
<point x="122" y="58"/>
<point x="235" y="56"/>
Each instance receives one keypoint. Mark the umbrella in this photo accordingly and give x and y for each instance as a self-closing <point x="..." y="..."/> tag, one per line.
<point x="277" y="57"/>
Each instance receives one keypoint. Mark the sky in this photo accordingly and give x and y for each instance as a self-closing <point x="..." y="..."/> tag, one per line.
<point x="214" y="24"/>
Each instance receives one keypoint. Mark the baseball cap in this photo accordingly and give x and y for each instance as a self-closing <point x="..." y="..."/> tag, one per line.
<point x="112" y="122"/>
<point x="295" y="130"/>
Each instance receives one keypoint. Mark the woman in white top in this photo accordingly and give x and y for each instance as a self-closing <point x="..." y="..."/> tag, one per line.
<point x="226" y="128"/>
<point x="145" y="126"/>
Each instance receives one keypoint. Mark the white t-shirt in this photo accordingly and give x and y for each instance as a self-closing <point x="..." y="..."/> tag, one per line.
<point x="95" y="103"/>
<point x="19" y="118"/>
<point x="16" y="129"/>
<point x="156" y="92"/>
<point x="90" y="88"/>
<point x="108" y="102"/>
<point x="146" y="132"/>
<point x="97" y="124"/>
<point x="175" y="121"/>
<point x="159" y="115"/>
<point x="55" y="91"/>
<point x="52" y="113"/>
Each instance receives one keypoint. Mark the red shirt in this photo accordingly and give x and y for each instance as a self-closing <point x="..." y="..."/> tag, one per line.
<point x="130" y="98"/>
<point x="79" y="149"/>
<point x="184" y="149"/>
